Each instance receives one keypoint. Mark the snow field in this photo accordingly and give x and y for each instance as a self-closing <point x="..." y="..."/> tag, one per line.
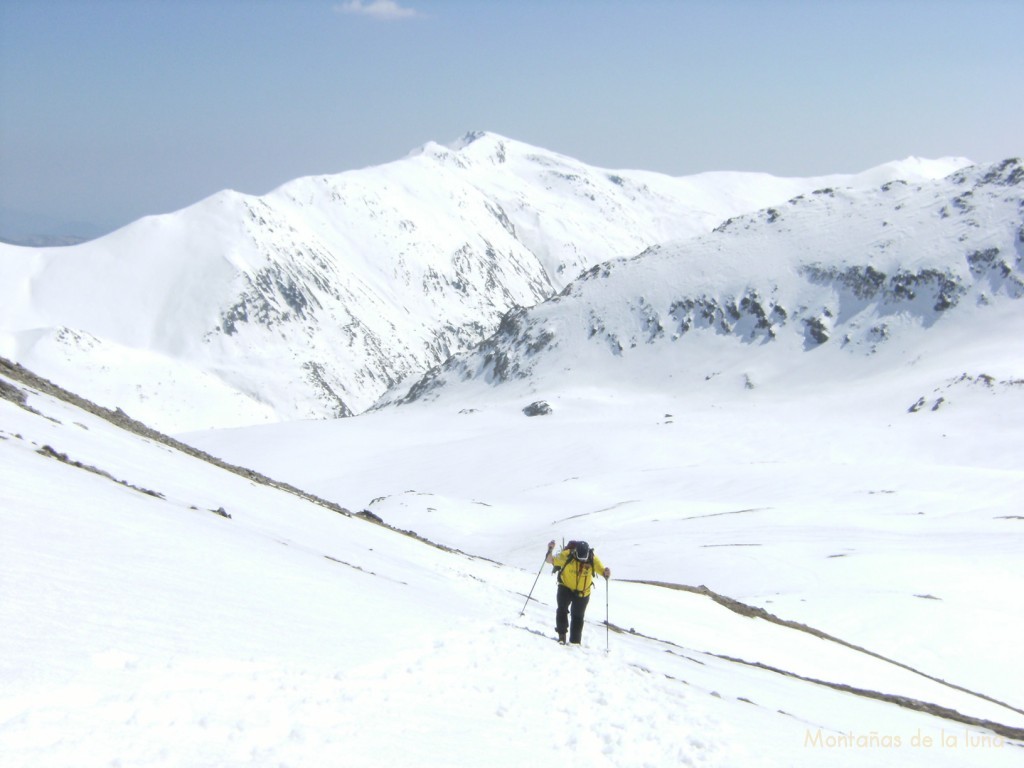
<point x="152" y="632"/>
<point x="884" y="530"/>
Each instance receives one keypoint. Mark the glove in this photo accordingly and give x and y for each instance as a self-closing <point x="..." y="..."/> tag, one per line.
<point x="607" y="573"/>
<point x="551" y="547"/>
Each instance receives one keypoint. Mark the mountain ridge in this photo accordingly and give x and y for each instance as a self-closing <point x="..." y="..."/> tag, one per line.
<point x="861" y="270"/>
<point x="318" y="298"/>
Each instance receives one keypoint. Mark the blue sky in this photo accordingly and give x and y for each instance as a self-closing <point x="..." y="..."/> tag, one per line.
<point x="114" y="109"/>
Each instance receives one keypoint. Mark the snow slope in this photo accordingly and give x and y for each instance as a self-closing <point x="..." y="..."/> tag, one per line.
<point x="314" y="300"/>
<point x="144" y="629"/>
<point x="859" y="475"/>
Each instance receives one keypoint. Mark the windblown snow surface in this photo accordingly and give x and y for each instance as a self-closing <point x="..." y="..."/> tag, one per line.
<point x="806" y="484"/>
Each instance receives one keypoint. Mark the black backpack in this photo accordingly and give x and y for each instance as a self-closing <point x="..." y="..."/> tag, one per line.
<point x="578" y="550"/>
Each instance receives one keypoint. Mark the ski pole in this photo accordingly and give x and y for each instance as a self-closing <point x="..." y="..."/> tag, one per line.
<point x="534" y="585"/>
<point x="607" y="626"/>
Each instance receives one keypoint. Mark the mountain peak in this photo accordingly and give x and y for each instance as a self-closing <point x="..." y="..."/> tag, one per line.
<point x="913" y="169"/>
<point x="482" y="146"/>
<point x="472" y="137"/>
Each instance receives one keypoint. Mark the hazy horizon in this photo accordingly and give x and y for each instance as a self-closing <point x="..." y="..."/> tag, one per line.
<point x="115" y="110"/>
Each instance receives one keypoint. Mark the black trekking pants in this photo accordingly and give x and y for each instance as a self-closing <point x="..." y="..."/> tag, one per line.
<point x="568" y="599"/>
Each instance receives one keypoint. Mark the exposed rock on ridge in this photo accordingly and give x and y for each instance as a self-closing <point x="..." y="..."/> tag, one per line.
<point x="853" y="268"/>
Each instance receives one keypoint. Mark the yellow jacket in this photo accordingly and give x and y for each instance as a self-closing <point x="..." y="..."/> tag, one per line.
<point x="577" y="576"/>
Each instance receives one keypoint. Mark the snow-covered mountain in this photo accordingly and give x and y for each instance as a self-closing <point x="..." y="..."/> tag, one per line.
<point x="793" y="433"/>
<point x="832" y="284"/>
<point x="316" y="299"/>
